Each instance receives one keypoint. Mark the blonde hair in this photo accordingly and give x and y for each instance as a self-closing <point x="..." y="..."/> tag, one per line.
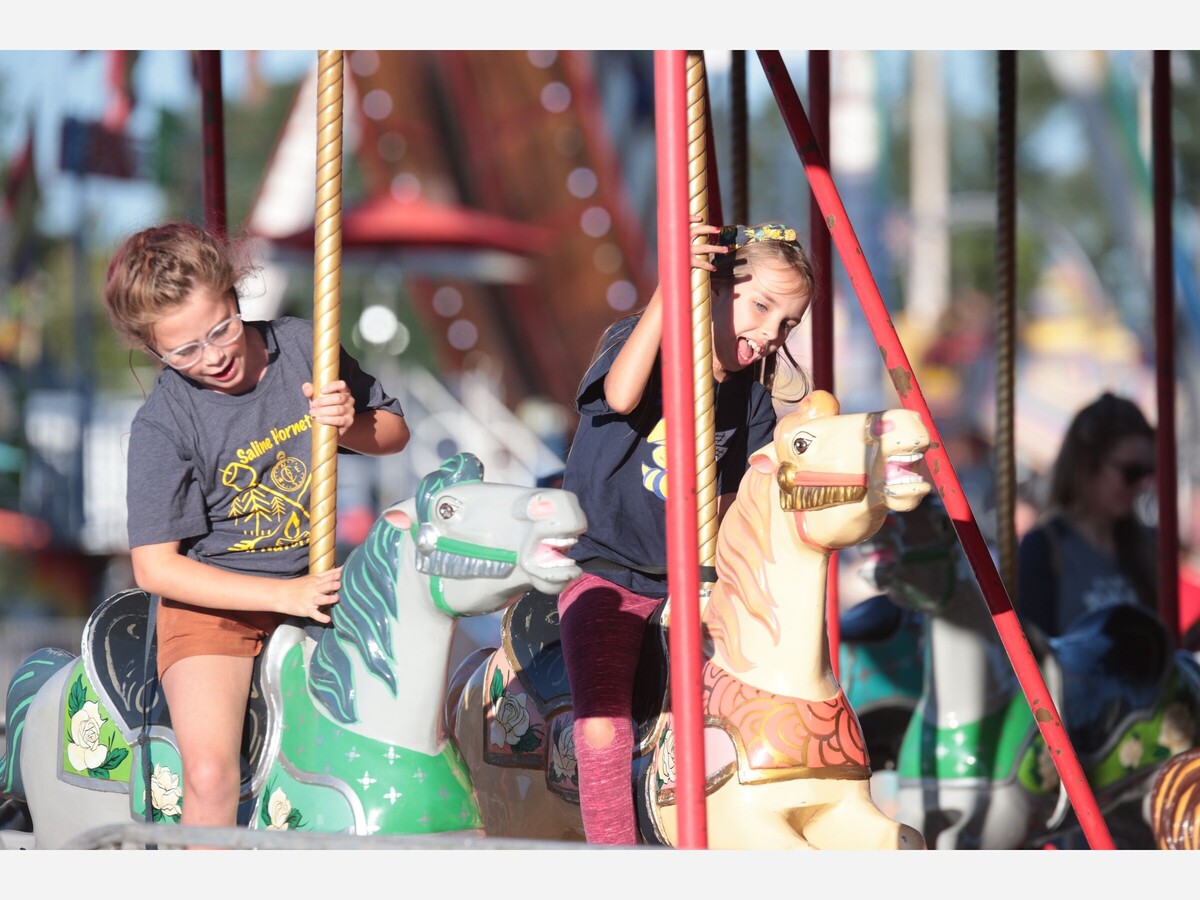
<point x="769" y="243"/>
<point x="156" y="269"/>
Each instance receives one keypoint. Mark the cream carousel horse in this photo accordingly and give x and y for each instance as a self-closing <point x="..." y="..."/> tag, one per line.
<point x="345" y="730"/>
<point x="787" y="765"/>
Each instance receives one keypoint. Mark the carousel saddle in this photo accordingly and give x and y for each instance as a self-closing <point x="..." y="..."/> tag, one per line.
<point x="532" y="640"/>
<point x="124" y="672"/>
<point x="1114" y="660"/>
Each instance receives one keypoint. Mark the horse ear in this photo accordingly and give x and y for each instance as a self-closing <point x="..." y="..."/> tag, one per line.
<point x="761" y="462"/>
<point x="818" y="405"/>
<point x="398" y="518"/>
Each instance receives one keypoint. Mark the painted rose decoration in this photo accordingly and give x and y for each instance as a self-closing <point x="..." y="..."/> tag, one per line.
<point x="562" y="760"/>
<point x="510" y="719"/>
<point x="510" y="722"/>
<point x="85" y="750"/>
<point x="665" y="764"/>
<point x="1177" y="729"/>
<point x="1045" y="766"/>
<point x="1130" y="752"/>
<point x="278" y="813"/>
<point x="90" y="741"/>
<point x="165" y="794"/>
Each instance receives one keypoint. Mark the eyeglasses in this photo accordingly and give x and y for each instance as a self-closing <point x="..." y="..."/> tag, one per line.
<point x="1133" y="472"/>
<point x="222" y="334"/>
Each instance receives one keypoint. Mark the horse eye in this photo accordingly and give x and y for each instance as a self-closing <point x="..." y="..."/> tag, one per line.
<point x="801" y="442"/>
<point x="448" y="507"/>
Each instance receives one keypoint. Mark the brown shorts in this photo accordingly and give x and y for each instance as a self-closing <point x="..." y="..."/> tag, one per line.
<point x="184" y="630"/>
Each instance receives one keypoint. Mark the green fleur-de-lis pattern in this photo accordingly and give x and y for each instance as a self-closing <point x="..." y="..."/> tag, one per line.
<point x="400" y="790"/>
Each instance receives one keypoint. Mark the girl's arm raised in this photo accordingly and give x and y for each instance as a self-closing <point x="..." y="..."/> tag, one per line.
<point x="627" y="377"/>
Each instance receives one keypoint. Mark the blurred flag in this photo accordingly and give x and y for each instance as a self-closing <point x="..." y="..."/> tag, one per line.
<point x="19" y="237"/>
<point x="121" y="97"/>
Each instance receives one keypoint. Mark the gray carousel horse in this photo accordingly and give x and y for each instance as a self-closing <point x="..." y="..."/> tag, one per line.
<point x="344" y="732"/>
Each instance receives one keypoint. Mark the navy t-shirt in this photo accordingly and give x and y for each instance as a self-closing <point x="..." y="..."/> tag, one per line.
<point x="1061" y="575"/>
<point x="617" y="466"/>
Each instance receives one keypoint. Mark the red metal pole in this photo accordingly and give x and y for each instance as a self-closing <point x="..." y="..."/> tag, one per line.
<point x="1164" y="345"/>
<point x="944" y="477"/>
<point x="822" y="313"/>
<point x="212" y="104"/>
<point x="683" y="554"/>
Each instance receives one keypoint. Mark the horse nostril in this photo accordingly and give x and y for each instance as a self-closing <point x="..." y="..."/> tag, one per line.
<point x="540" y="507"/>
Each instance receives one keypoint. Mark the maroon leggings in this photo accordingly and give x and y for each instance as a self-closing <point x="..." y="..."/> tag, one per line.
<point x="602" y="626"/>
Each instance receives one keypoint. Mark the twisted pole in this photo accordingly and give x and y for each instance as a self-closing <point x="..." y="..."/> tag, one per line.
<point x="1006" y="333"/>
<point x="1164" y="344"/>
<point x="702" y="367"/>
<point x="822" y="319"/>
<point x="213" y="103"/>
<point x="327" y="283"/>
<point x="738" y="156"/>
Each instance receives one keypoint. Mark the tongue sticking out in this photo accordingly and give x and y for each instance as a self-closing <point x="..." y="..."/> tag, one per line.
<point x="746" y="353"/>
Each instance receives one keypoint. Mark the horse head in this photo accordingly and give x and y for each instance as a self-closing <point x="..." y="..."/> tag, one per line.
<point x="839" y="475"/>
<point x="476" y="540"/>
<point x="460" y="547"/>
<point x="825" y="482"/>
<point x="915" y="558"/>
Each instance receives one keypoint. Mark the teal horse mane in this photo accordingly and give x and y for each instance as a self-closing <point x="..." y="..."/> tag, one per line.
<point x="363" y="616"/>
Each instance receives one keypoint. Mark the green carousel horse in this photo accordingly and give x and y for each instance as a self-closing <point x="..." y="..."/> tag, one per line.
<point x="344" y="730"/>
<point x="973" y="769"/>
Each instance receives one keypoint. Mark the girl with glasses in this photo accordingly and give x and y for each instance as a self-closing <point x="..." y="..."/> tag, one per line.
<point x="1091" y="549"/>
<point x="219" y="478"/>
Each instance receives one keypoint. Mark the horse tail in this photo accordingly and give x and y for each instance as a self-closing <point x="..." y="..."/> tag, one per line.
<point x="35" y="670"/>
<point x="1175" y="801"/>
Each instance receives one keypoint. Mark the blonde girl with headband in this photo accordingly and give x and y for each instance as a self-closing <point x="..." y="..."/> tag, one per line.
<point x="219" y="477"/>
<point x="761" y="283"/>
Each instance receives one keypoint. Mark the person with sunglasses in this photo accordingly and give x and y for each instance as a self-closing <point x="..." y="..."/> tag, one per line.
<point x="219" y="479"/>
<point x="1091" y="549"/>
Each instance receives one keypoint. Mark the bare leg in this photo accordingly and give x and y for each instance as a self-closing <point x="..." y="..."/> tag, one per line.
<point x="207" y="696"/>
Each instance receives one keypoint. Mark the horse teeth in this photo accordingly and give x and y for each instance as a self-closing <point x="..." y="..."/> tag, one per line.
<point x="905" y="457"/>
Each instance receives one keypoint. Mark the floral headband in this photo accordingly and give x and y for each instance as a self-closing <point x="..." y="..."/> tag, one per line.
<point x="737" y="236"/>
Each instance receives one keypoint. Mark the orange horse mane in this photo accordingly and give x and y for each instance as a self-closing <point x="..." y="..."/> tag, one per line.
<point x="741" y="566"/>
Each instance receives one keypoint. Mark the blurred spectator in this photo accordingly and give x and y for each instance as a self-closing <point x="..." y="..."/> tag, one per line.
<point x="1028" y="505"/>
<point x="1092" y="550"/>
